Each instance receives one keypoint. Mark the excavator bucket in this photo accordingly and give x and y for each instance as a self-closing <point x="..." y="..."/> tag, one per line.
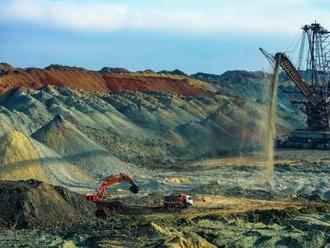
<point x="134" y="189"/>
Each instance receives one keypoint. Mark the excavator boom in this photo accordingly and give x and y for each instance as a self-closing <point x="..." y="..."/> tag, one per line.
<point x="294" y="75"/>
<point x="282" y="60"/>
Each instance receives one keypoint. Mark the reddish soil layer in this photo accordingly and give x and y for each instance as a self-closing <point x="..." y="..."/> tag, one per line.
<point x="78" y="78"/>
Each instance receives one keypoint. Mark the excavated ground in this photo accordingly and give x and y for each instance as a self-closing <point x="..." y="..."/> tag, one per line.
<point x="101" y="123"/>
<point x="233" y="223"/>
<point x="233" y="207"/>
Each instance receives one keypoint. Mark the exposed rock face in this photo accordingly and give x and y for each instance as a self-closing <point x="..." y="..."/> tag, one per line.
<point x="33" y="203"/>
<point x="107" y="80"/>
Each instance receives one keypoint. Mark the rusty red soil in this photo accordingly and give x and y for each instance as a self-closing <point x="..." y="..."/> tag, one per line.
<point x="77" y="78"/>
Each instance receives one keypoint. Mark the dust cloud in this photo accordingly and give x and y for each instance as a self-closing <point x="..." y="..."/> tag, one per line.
<point x="271" y="128"/>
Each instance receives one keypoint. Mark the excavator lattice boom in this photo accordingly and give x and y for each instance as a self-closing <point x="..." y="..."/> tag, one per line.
<point x="316" y="107"/>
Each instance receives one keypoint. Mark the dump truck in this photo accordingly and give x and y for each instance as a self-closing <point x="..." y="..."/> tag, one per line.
<point x="177" y="201"/>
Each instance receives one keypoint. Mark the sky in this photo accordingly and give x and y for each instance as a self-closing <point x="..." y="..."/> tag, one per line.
<point x="191" y="35"/>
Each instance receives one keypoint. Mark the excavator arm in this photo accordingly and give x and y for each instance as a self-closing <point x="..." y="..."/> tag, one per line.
<point x="122" y="177"/>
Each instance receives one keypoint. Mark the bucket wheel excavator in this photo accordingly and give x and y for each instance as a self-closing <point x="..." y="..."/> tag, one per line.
<point x="313" y="85"/>
<point x="122" y="177"/>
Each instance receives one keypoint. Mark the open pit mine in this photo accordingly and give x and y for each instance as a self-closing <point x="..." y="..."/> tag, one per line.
<point x="115" y="158"/>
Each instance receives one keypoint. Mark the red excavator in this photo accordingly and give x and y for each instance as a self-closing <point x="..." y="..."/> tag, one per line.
<point x="99" y="196"/>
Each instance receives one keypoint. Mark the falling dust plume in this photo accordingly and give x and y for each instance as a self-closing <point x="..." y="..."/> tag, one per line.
<point x="271" y="128"/>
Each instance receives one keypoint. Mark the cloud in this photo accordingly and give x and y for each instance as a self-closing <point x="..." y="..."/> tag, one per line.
<point x="256" y="16"/>
<point x="66" y="14"/>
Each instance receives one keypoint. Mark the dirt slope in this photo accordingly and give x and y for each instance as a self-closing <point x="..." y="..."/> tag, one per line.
<point x="145" y="118"/>
<point x="34" y="203"/>
<point x="149" y="128"/>
<point x="77" y="148"/>
<point x="23" y="158"/>
<point x="103" y="81"/>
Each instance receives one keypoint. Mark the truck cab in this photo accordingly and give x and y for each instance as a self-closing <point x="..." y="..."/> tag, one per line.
<point x="189" y="200"/>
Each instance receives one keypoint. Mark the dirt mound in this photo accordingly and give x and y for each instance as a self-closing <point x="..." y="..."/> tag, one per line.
<point x="150" y="128"/>
<point x="24" y="158"/>
<point x="15" y="147"/>
<point x="4" y="125"/>
<point x="171" y="238"/>
<point x="77" y="148"/>
<point x="187" y="240"/>
<point x="33" y="203"/>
